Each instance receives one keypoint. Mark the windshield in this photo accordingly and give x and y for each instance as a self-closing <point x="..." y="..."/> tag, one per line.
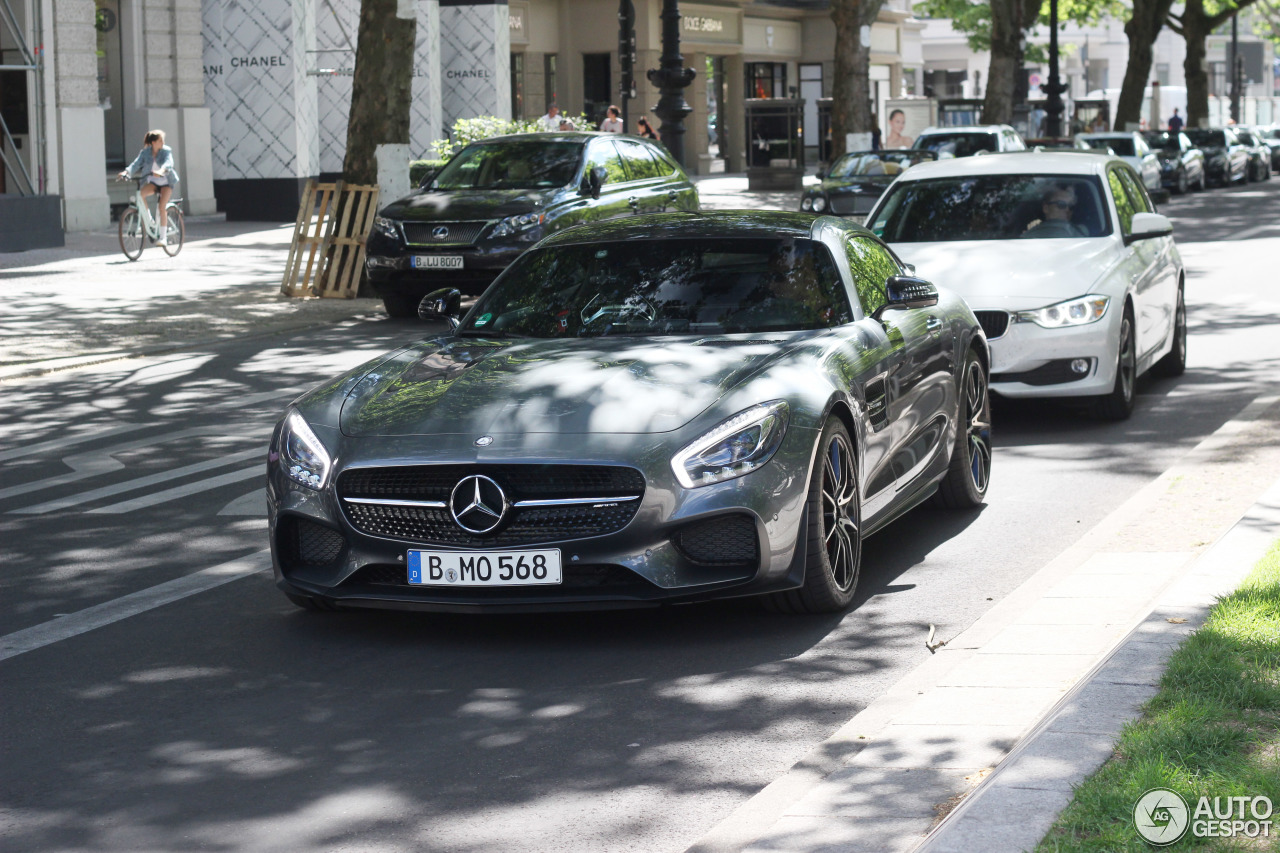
<point x="1166" y="142"/>
<point x="994" y="207"/>
<point x="871" y="164"/>
<point x="1207" y="138"/>
<point x="1121" y="146"/>
<point x="664" y="287"/>
<point x="511" y="165"/>
<point x="958" y="144"/>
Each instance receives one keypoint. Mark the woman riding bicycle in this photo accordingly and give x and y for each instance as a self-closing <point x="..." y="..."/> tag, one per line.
<point x="155" y="163"/>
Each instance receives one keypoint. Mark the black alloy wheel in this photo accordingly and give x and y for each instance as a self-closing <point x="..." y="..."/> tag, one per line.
<point x="969" y="474"/>
<point x="1174" y="363"/>
<point x="834" y="539"/>
<point x="1118" y="405"/>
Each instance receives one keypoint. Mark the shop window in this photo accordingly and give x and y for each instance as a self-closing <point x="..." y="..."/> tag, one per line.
<point x="766" y="79"/>
<point x="596" y="88"/>
<point x="517" y="85"/>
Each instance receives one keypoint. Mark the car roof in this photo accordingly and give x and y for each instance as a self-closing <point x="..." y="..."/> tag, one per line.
<point x="751" y="224"/>
<point x="556" y="136"/>
<point x="1109" y="134"/>
<point x="1014" y="163"/>
<point x="967" y="128"/>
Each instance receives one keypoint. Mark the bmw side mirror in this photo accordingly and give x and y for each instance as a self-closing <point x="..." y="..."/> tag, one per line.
<point x="442" y="304"/>
<point x="905" y="291"/>
<point x="1148" y="225"/>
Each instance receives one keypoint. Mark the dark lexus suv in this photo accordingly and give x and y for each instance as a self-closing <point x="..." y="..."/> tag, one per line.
<point x="498" y="197"/>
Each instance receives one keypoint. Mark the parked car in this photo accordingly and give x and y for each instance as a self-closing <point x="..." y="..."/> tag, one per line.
<point x="498" y="197"/>
<point x="854" y="182"/>
<point x="1054" y="143"/>
<point x="1075" y="278"/>
<point x="1225" y="159"/>
<point x="966" y="141"/>
<point x="1259" y="154"/>
<point x="1132" y="148"/>
<point x="1181" y="163"/>
<point x="658" y="409"/>
<point x="1270" y="137"/>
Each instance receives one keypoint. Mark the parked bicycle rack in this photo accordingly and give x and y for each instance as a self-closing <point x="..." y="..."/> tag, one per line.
<point x="334" y="221"/>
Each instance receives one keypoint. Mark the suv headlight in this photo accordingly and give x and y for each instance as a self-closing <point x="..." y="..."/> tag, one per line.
<point x="514" y="224"/>
<point x="819" y="204"/>
<point x="302" y="456"/>
<point x="734" y="448"/>
<point x="1073" y="312"/>
<point x="386" y="227"/>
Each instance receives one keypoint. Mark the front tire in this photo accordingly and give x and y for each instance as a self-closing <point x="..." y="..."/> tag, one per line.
<point x="969" y="474"/>
<point x="132" y="234"/>
<point x="834" y="536"/>
<point x="1118" y="405"/>
<point x="1174" y="363"/>
<point x="177" y="232"/>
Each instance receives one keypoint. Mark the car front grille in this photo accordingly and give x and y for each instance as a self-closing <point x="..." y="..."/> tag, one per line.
<point x="854" y="204"/>
<point x="455" y="233"/>
<point x="721" y="541"/>
<point x="549" y="502"/>
<point x="304" y="543"/>
<point x="994" y="323"/>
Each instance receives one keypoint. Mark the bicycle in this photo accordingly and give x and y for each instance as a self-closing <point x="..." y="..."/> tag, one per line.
<point x="137" y="225"/>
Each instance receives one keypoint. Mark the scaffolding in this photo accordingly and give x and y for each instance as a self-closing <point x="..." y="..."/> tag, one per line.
<point x="31" y="62"/>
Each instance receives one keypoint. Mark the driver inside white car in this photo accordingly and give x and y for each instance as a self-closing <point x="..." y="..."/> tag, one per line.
<point x="1058" y="207"/>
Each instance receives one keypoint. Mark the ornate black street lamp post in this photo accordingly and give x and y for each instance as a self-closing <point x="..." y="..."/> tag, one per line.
<point x="626" y="58"/>
<point x="672" y="78"/>
<point x="1053" y="106"/>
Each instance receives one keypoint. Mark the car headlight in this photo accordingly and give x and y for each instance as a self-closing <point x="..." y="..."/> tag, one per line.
<point x="1073" y="312"/>
<point x="514" y="224"/>
<point x="819" y="204"/>
<point x="806" y="203"/>
<point x="734" y="448"/>
<point x="386" y="227"/>
<point x="302" y="456"/>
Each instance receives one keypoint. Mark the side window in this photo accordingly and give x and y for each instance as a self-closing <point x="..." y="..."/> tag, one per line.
<point x="603" y="154"/>
<point x="871" y="264"/>
<point x="1138" y="195"/>
<point x="640" y="162"/>
<point x="666" y="166"/>
<point x="1124" y="206"/>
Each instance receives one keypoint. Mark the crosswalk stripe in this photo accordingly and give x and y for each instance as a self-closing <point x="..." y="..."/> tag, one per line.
<point x="182" y="491"/>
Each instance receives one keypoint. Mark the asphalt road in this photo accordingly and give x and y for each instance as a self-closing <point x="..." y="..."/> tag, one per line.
<point x="228" y="720"/>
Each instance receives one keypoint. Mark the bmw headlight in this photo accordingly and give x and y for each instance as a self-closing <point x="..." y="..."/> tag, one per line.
<point x="734" y="448"/>
<point x="1073" y="312"/>
<point x="302" y="456"/>
<point x="386" y="227"/>
<point x="515" y="224"/>
<point x="819" y="204"/>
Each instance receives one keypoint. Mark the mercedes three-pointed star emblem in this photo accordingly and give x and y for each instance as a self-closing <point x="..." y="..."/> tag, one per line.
<point x="478" y="504"/>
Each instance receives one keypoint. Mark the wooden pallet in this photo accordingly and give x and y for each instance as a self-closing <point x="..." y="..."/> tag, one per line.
<point x="327" y="253"/>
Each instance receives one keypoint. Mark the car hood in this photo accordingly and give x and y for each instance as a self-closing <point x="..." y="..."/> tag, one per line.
<point x="876" y="183"/>
<point x="1001" y="273"/>
<point x="477" y="386"/>
<point x="461" y="205"/>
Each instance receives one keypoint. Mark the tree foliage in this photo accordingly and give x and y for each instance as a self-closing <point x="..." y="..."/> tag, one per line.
<point x="1199" y="18"/>
<point x="974" y="19"/>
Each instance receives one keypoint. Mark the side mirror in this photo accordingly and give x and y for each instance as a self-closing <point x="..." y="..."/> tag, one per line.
<point x="1148" y="225"/>
<point x="442" y="304"/>
<point x="820" y="174"/>
<point x="905" y="291"/>
<point x="592" y="180"/>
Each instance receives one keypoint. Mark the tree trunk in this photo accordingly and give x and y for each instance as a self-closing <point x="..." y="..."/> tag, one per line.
<point x="1006" y="61"/>
<point x="381" y="89"/>
<point x="850" y="90"/>
<point x="1142" y="28"/>
<point x="1196" y="27"/>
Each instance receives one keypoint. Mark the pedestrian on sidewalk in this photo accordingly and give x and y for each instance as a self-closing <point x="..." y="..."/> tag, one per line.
<point x="646" y="129"/>
<point x="154" y="163"/>
<point x="613" y="122"/>
<point x="1175" y="123"/>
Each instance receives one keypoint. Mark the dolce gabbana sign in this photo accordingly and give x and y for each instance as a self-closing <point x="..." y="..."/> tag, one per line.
<point x="696" y="24"/>
<point x="714" y="24"/>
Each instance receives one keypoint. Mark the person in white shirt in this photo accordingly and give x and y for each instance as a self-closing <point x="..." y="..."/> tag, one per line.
<point x="613" y="121"/>
<point x="551" y="121"/>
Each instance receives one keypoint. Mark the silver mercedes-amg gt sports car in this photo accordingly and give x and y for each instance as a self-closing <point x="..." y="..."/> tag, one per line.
<point x="642" y="411"/>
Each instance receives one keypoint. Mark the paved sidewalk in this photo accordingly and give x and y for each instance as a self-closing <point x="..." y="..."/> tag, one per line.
<point x="884" y="780"/>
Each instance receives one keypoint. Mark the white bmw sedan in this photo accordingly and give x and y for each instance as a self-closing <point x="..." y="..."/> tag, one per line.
<point x="1072" y="273"/>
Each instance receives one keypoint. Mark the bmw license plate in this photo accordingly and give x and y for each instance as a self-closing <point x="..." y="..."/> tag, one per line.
<point x="437" y="262"/>
<point x="484" y="568"/>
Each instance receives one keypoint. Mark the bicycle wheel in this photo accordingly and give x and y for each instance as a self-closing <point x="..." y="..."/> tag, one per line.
<point x="131" y="236"/>
<point x="177" y="232"/>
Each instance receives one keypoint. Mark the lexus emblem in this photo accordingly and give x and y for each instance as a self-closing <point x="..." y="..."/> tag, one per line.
<point x="440" y="232"/>
<point x="484" y="441"/>
<point x="478" y="504"/>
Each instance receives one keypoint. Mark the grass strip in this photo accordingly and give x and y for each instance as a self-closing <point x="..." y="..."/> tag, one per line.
<point x="1213" y="730"/>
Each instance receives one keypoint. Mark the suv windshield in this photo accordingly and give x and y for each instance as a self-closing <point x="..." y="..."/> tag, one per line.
<point x="1207" y="138"/>
<point x="878" y="163"/>
<point x="958" y="144"/>
<point x="993" y="207"/>
<point x="1166" y="142"/>
<point x="1122" y="146"/>
<point x="664" y="287"/>
<point x="511" y="165"/>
